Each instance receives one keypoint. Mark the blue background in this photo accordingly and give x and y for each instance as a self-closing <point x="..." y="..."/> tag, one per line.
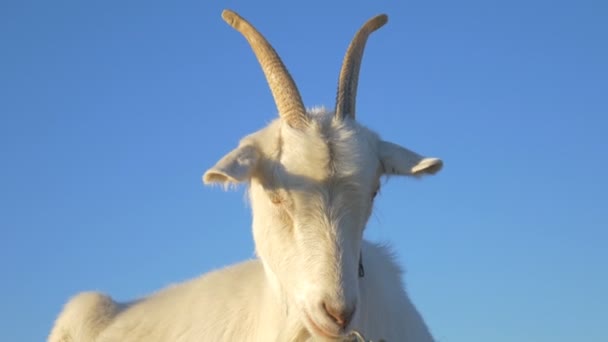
<point x="111" y="111"/>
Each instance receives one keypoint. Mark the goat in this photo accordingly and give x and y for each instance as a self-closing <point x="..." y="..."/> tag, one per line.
<point x="312" y="177"/>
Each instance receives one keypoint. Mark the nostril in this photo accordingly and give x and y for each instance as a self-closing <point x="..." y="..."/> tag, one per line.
<point x="341" y="316"/>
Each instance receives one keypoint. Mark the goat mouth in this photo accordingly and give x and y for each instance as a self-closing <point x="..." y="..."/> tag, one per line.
<point x="318" y="330"/>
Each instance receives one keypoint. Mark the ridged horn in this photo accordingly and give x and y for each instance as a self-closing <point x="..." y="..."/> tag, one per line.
<point x="349" y="74"/>
<point x="284" y="90"/>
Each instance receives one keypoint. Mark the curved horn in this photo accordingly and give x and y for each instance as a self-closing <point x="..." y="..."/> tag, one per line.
<point x="283" y="88"/>
<point x="349" y="74"/>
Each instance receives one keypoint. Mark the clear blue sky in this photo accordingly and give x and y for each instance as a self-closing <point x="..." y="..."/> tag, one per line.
<point x="111" y="112"/>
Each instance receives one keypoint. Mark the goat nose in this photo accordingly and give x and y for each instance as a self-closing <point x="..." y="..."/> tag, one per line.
<point x="341" y="315"/>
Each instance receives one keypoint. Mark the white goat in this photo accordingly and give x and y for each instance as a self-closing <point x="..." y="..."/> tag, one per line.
<point x="312" y="180"/>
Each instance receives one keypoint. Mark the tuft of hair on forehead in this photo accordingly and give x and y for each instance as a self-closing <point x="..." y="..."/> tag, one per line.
<point x="319" y="111"/>
<point x="339" y="151"/>
<point x="306" y="152"/>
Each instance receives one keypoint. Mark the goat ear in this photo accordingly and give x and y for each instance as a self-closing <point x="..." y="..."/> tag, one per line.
<point x="397" y="160"/>
<point x="235" y="167"/>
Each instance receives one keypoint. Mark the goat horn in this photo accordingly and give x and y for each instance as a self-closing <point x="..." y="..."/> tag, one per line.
<point x="283" y="88"/>
<point x="349" y="74"/>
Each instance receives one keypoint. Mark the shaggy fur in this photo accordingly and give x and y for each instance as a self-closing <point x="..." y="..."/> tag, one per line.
<point x="311" y="190"/>
<point x="236" y="304"/>
<point x="311" y="195"/>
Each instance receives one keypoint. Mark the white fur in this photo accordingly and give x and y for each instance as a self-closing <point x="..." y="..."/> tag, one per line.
<point x="237" y="304"/>
<point x="311" y="192"/>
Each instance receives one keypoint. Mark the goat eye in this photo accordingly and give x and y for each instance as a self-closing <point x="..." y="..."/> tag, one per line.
<point x="276" y="199"/>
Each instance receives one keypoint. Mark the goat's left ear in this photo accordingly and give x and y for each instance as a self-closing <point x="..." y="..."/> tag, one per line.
<point x="397" y="160"/>
<point x="235" y="167"/>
